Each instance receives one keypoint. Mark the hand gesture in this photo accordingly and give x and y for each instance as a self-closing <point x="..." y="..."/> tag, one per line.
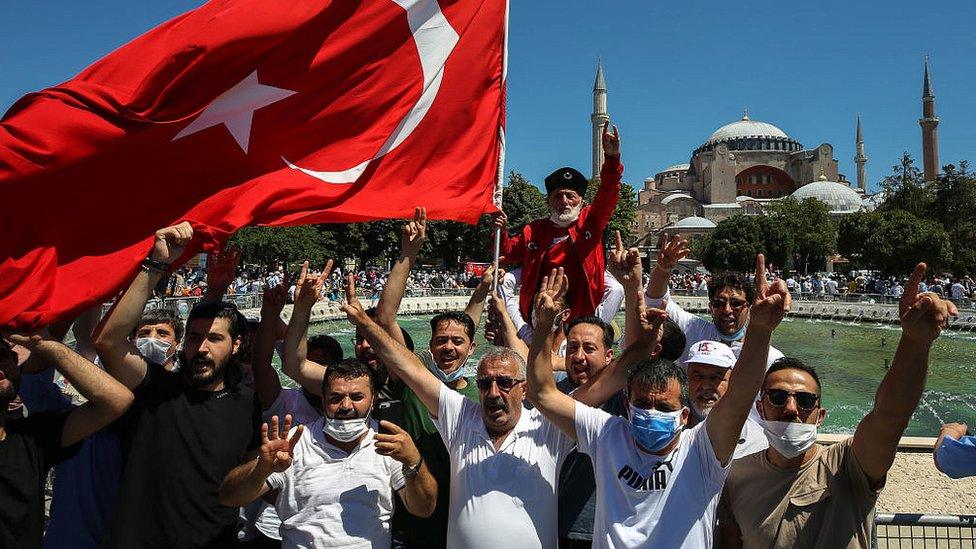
<point x="548" y="302"/>
<point x="351" y="305"/>
<point x="398" y="444"/>
<point x="488" y="278"/>
<point x="276" y="447"/>
<point x="499" y="220"/>
<point x="625" y="265"/>
<point x="274" y="299"/>
<point x="670" y="251"/>
<point x="222" y="266"/>
<point x="611" y="141"/>
<point x="414" y="233"/>
<point x="772" y="302"/>
<point x="171" y="242"/>
<point x="923" y="316"/>
<point x="308" y="288"/>
<point x="651" y="322"/>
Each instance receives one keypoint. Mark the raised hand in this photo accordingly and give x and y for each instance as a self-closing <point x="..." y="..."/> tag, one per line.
<point x="499" y="220"/>
<point x="351" y="306"/>
<point x="274" y="299"/>
<point x="308" y="288"/>
<point x="488" y="278"/>
<point x="625" y="265"/>
<point x="171" y="242"/>
<point x="923" y="316"/>
<point x="222" y="266"/>
<point x="548" y="302"/>
<point x="276" y="447"/>
<point x="611" y="141"/>
<point x="414" y="233"/>
<point x="670" y="251"/>
<point x="397" y="444"/>
<point x="772" y="301"/>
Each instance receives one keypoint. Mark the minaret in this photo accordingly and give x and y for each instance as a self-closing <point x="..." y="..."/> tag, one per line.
<point x="599" y="117"/>
<point x="930" y="137"/>
<point x="860" y="158"/>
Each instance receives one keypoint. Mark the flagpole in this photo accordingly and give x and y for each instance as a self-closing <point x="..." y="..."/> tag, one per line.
<point x="499" y="180"/>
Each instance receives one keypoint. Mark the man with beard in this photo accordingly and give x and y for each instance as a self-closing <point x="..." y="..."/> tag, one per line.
<point x="572" y="237"/>
<point x="30" y="446"/>
<point x="729" y="299"/>
<point x="335" y="480"/>
<point x="187" y="429"/>
<point x="799" y="493"/>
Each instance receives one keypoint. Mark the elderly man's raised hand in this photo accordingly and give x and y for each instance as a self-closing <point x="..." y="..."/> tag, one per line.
<point x="611" y="141"/>
<point x="171" y="242"/>
<point x="414" y="233"/>
<point x="772" y="302"/>
<point x="923" y="316"/>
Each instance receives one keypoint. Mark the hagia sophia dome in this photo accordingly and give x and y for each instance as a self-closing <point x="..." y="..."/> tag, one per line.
<point x="838" y="197"/>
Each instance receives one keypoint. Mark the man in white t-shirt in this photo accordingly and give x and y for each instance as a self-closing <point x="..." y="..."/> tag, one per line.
<point x="505" y="459"/>
<point x="729" y="297"/>
<point x="656" y="485"/>
<point x="708" y="369"/>
<point x="335" y="480"/>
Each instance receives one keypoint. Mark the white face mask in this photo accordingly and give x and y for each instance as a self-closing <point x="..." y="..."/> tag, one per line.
<point x="345" y="430"/>
<point x="153" y="350"/>
<point x="789" y="438"/>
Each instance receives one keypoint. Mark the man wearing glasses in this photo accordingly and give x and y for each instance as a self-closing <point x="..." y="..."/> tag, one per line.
<point x="504" y="459"/>
<point x="799" y="493"/>
<point x="729" y="297"/>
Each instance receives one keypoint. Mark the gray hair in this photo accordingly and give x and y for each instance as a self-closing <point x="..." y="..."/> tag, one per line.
<point x="503" y="354"/>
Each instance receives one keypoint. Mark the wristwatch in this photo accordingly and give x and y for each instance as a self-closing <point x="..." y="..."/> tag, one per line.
<point x="410" y="471"/>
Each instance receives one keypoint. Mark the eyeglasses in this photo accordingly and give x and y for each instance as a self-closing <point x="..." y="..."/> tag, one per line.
<point x="505" y="383"/>
<point x="719" y="303"/>
<point x="804" y="401"/>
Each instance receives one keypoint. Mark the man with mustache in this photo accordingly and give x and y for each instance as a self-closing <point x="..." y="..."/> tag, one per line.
<point x="187" y="429"/>
<point x="572" y="236"/>
<point x="799" y="493"/>
<point x="30" y="446"/>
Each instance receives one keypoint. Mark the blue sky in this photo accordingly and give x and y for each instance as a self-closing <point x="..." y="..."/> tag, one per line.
<point x="676" y="71"/>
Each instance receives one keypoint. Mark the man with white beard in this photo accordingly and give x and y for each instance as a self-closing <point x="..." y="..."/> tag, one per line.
<point x="572" y="236"/>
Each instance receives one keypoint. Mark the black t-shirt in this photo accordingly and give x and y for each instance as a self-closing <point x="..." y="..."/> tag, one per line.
<point x="31" y="448"/>
<point x="178" y="444"/>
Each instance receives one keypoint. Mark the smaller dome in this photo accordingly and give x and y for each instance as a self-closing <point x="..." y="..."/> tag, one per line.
<point x="694" y="222"/>
<point x="672" y="197"/>
<point x="840" y="198"/>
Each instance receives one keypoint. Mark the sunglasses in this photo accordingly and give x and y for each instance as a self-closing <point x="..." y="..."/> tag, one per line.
<point x="720" y="303"/>
<point x="505" y="383"/>
<point x="804" y="401"/>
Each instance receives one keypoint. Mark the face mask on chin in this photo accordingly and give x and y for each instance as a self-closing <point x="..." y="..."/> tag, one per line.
<point x="789" y="438"/>
<point x="153" y="350"/>
<point x="653" y="429"/>
<point x="447" y="377"/>
<point x="345" y="430"/>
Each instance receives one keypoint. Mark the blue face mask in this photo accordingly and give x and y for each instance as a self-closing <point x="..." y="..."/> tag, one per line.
<point x="652" y="429"/>
<point x="737" y="336"/>
<point x="448" y="378"/>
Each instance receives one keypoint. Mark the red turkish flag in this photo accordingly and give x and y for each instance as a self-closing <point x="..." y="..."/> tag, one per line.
<point x="246" y="112"/>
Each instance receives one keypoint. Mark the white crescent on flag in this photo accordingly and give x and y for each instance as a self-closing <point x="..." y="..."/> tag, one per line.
<point x="435" y="40"/>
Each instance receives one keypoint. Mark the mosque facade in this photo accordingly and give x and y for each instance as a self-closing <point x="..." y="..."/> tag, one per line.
<point x="744" y="165"/>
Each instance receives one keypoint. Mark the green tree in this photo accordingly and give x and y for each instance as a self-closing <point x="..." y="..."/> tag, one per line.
<point x="808" y="232"/>
<point x="893" y="241"/>
<point x="523" y="202"/>
<point x="954" y="206"/>
<point x="268" y="245"/>
<point x="733" y="244"/>
<point x="904" y="189"/>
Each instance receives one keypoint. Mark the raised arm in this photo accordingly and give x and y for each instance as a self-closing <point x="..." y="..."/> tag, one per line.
<point x="295" y="363"/>
<point x="398" y="359"/>
<point x="923" y="317"/>
<point x="106" y="398"/>
<point x="608" y="194"/>
<point x="411" y="241"/>
<point x="267" y="385"/>
<point x="506" y="328"/>
<point x="247" y="482"/>
<point x="117" y="352"/>
<point x="670" y="251"/>
<point x="725" y="421"/>
<point x="476" y="305"/>
<point x="221" y="268"/>
<point x="625" y="266"/>
<point x="559" y="408"/>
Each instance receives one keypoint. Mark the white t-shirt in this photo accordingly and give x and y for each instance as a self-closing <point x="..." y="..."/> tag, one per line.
<point x="751" y="440"/>
<point x="643" y="500"/>
<point x="333" y="499"/>
<point x="259" y="512"/>
<point x="504" y="499"/>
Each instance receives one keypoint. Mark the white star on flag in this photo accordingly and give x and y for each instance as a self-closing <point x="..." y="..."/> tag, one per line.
<point x="235" y="109"/>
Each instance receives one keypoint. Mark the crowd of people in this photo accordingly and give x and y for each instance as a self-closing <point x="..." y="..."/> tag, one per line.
<point x="676" y="432"/>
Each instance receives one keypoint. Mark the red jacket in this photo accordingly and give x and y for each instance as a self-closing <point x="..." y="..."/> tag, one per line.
<point x="586" y="238"/>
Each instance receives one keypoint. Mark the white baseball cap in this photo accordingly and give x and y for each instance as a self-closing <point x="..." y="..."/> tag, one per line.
<point x="711" y="352"/>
